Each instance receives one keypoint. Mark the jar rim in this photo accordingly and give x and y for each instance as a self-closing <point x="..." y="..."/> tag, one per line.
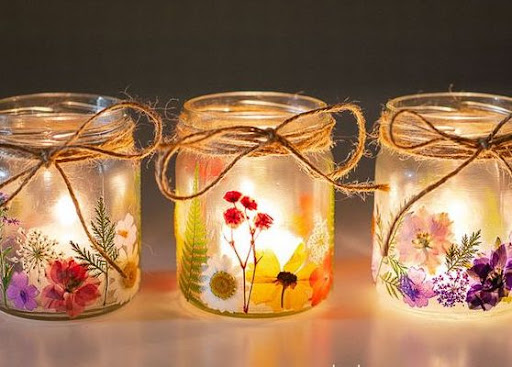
<point x="245" y="106"/>
<point x="49" y="118"/>
<point x="403" y="102"/>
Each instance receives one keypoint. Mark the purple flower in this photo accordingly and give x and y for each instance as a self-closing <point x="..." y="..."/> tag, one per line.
<point x="493" y="278"/>
<point x="415" y="289"/>
<point x="21" y="294"/>
<point x="451" y="287"/>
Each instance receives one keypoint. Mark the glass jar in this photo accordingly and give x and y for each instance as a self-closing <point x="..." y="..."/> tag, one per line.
<point x="261" y="241"/>
<point x="48" y="266"/>
<point x="449" y="252"/>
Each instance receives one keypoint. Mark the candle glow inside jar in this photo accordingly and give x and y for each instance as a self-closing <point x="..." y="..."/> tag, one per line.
<point x="260" y="242"/>
<point x="48" y="266"/>
<point x="449" y="253"/>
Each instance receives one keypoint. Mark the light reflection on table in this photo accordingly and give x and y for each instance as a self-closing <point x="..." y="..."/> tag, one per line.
<point x="351" y="329"/>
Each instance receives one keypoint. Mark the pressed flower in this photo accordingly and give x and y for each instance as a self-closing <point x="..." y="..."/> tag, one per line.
<point x="221" y="286"/>
<point x="282" y="288"/>
<point x="71" y="288"/>
<point x="249" y="203"/>
<point x="493" y="280"/>
<point x="451" y="287"/>
<point x="424" y="238"/>
<point x="126" y="233"/>
<point x="319" y="241"/>
<point x="321" y="281"/>
<point x="21" y="293"/>
<point x="124" y="288"/>
<point x="232" y="196"/>
<point x="415" y="289"/>
<point x="233" y="217"/>
<point x="263" y="221"/>
<point x="35" y="251"/>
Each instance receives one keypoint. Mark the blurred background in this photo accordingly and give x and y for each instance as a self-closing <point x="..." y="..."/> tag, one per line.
<point x="359" y="51"/>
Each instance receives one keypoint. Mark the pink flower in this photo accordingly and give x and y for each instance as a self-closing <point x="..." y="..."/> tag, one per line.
<point x="233" y="217"/>
<point x="249" y="203"/>
<point x="71" y="288"/>
<point x="263" y="221"/>
<point x="424" y="238"/>
<point x="232" y="196"/>
<point x="415" y="290"/>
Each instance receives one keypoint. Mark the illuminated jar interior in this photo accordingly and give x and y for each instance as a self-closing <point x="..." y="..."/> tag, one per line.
<point x="48" y="267"/>
<point x="443" y="243"/>
<point x="266" y="203"/>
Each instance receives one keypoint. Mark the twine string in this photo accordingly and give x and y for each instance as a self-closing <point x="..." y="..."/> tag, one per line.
<point x="265" y="142"/>
<point x="495" y="145"/>
<point x="70" y="151"/>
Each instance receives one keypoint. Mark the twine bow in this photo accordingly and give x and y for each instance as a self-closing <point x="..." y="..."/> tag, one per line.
<point x="253" y="140"/>
<point x="491" y="146"/>
<point x="71" y="151"/>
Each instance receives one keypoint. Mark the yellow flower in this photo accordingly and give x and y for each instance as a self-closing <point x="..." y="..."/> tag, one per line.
<point x="281" y="288"/>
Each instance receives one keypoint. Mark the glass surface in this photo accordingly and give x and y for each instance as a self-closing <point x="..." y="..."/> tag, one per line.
<point x="260" y="243"/>
<point x="450" y="253"/>
<point x="48" y="267"/>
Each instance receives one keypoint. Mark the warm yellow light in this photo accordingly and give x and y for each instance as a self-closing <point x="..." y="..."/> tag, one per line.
<point x="64" y="211"/>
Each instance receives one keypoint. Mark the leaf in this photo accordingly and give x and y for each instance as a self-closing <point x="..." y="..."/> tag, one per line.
<point x="460" y="256"/>
<point x="392" y="283"/>
<point x="194" y="253"/>
<point x="104" y="230"/>
<point x="93" y="261"/>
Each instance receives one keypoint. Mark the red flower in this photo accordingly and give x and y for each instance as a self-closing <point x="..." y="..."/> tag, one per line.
<point x="321" y="281"/>
<point x="71" y="288"/>
<point x="233" y="217"/>
<point x="232" y="196"/>
<point x="263" y="221"/>
<point x="249" y="203"/>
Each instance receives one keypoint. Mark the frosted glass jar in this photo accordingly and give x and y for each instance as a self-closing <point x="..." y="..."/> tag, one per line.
<point x="48" y="267"/>
<point x="450" y="253"/>
<point x="265" y="210"/>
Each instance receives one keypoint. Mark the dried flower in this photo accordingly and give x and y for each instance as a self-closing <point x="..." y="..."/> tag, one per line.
<point x="71" y="288"/>
<point x="21" y="293"/>
<point x="451" y="287"/>
<point x="233" y="217"/>
<point x="248" y="203"/>
<point x="35" y="251"/>
<point x="263" y="221"/>
<point x="415" y="289"/>
<point x="232" y="196"/>
<point x="493" y="276"/>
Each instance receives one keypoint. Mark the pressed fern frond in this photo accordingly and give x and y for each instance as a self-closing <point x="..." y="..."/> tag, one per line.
<point x="104" y="230"/>
<point x="195" y="249"/>
<point x="460" y="256"/>
<point x="93" y="261"/>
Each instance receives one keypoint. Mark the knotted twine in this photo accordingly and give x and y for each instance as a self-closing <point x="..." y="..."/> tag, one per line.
<point x="429" y="141"/>
<point x="243" y="141"/>
<point x="72" y="151"/>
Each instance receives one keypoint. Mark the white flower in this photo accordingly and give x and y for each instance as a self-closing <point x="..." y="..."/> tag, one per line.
<point x="319" y="241"/>
<point x="35" y="251"/>
<point x="126" y="233"/>
<point x="222" y="285"/>
<point x="123" y="289"/>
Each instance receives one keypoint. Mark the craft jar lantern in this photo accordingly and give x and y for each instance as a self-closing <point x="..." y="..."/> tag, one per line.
<point x="442" y="232"/>
<point x="260" y="242"/>
<point x="49" y="268"/>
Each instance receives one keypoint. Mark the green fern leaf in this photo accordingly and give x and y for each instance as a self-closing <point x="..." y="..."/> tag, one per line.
<point x="195" y="248"/>
<point x="104" y="230"/>
<point x="460" y="256"/>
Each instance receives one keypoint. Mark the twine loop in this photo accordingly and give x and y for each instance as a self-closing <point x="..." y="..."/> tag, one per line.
<point x="71" y="151"/>
<point x="253" y="141"/>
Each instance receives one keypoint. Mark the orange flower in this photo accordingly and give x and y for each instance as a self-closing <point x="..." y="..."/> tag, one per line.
<point x="321" y="281"/>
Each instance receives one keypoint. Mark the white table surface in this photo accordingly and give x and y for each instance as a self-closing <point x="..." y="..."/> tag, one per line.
<point x="350" y="329"/>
